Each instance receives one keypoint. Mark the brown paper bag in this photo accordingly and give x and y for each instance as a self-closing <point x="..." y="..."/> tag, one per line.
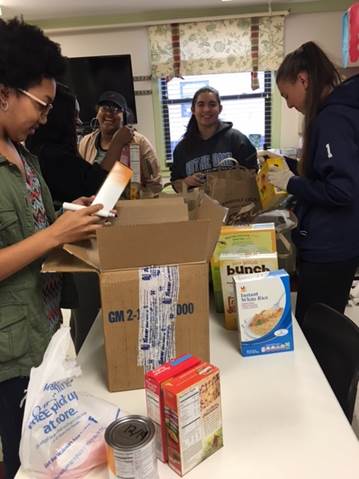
<point x="236" y="189"/>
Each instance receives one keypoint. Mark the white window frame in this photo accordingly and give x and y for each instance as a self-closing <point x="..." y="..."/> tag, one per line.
<point x="266" y="94"/>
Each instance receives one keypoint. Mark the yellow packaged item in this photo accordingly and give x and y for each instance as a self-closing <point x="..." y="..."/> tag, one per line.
<point x="233" y="264"/>
<point x="241" y="239"/>
<point x="269" y="195"/>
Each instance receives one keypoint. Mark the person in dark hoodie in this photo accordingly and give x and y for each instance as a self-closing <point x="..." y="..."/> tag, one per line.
<point x="208" y="141"/>
<point x="67" y="175"/>
<point x="327" y="184"/>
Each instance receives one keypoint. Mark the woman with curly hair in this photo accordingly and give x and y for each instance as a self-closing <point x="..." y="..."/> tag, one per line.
<point x="30" y="63"/>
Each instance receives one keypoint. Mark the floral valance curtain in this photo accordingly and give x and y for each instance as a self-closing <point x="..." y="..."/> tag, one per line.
<point x="221" y="46"/>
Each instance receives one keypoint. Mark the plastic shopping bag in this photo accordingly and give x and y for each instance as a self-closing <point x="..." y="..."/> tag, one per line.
<point x="63" y="429"/>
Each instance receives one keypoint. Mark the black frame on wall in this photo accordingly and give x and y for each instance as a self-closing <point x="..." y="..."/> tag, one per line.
<point x="88" y="77"/>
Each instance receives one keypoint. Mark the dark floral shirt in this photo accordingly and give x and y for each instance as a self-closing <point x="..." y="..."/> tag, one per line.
<point x="51" y="282"/>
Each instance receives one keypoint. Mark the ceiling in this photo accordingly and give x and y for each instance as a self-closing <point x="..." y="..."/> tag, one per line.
<point x="51" y="9"/>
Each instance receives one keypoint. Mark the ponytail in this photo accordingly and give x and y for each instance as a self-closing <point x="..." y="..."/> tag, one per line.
<point x="323" y="76"/>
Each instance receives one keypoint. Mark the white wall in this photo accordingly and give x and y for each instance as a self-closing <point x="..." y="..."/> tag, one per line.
<point x="116" y="42"/>
<point x="323" y="28"/>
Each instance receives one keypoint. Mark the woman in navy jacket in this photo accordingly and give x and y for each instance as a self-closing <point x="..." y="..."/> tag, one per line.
<point x="327" y="185"/>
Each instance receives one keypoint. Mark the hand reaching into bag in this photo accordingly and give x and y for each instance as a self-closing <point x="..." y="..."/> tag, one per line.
<point x="197" y="179"/>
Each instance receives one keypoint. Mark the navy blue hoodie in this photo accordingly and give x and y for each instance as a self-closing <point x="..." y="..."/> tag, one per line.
<point x="328" y="196"/>
<point x="195" y="155"/>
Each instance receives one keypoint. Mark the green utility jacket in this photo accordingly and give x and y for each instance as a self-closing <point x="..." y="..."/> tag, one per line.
<point x="24" y="328"/>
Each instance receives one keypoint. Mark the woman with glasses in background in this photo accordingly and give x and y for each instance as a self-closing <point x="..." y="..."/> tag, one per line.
<point x="113" y="118"/>
<point x="66" y="173"/>
<point x="29" y="302"/>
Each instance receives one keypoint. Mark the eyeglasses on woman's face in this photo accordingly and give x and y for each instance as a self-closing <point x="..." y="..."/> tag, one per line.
<point x="112" y="109"/>
<point x="43" y="107"/>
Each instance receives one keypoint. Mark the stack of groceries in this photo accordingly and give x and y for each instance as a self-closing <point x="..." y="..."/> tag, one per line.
<point x="250" y="290"/>
<point x="183" y="426"/>
<point x="183" y="400"/>
<point x="67" y="432"/>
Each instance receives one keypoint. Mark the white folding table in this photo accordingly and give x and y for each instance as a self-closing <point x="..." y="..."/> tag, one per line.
<point x="281" y="419"/>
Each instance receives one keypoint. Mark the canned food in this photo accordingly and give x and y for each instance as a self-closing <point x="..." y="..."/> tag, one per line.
<point x="131" y="448"/>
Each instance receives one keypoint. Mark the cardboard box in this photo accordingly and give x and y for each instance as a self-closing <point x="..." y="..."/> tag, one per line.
<point x="264" y="312"/>
<point x="269" y="195"/>
<point x="232" y="264"/>
<point x="154" y="381"/>
<point x="148" y="232"/>
<point x="244" y="239"/>
<point x="193" y="416"/>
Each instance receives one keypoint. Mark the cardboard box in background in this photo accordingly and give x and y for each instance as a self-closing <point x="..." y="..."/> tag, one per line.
<point x="148" y="232"/>
<point x="232" y="264"/>
<point x="264" y="312"/>
<point x="243" y="239"/>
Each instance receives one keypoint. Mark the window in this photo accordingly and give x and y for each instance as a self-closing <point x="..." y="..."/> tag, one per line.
<point x="248" y="110"/>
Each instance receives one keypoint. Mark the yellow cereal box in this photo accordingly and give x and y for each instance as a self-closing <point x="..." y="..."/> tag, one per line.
<point x="240" y="239"/>
<point x="233" y="264"/>
<point x="269" y="194"/>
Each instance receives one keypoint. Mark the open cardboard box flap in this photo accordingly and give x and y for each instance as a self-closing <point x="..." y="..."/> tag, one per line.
<point x="60" y="261"/>
<point x="143" y="242"/>
<point x="158" y="210"/>
<point x="212" y="210"/>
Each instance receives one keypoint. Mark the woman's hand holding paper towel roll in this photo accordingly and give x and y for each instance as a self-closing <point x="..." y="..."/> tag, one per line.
<point x="75" y="226"/>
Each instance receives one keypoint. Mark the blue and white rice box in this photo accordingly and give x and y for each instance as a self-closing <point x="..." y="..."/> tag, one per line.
<point x="264" y="312"/>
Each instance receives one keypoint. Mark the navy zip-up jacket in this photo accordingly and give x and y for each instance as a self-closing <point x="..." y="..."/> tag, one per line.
<point x="328" y="196"/>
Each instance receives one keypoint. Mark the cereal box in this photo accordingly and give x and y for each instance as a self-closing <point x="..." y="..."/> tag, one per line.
<point x="244" y="239"/>
<point x="264" y="312"/>
<point x="154" y="396"/>
<point x="231" y="264"/>
<point x="270" y="196"/>
<point x="193" y="416"/>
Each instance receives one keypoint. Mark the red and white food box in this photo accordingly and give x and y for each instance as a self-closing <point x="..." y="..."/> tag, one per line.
<point x="154" y="396"/>
<point x="193" y="416"/>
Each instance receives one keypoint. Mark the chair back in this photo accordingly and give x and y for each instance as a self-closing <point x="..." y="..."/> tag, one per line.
<point x="334" y="339"/>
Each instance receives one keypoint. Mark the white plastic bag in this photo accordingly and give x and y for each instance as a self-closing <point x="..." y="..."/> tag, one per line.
<point x="63" y="429"/>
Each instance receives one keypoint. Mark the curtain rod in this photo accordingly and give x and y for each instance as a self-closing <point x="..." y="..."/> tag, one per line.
<point x="115" y="26"/>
